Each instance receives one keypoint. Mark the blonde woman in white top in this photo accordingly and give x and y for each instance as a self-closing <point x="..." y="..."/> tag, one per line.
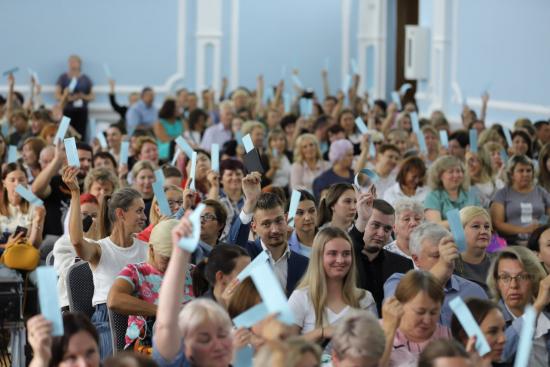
<point x="328" y="290"/>
<point x="122" y="215"/>
<point x="308" y="163"/>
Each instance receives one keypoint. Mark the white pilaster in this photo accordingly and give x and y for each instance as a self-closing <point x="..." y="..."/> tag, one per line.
<point x="346" y="15"/>
<point x="209" y="33"/>
<point x="234" y="79"/>
<point x="372" y="32"/>
<point x="440" y="79"/>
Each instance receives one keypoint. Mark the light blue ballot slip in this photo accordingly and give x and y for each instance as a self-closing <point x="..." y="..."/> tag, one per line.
<point x="251" y="316"/>
<point x="473" y="140"/>
<point x="28" y="195"/>
<point x="422" y="143"/>
<point x="215" y="154"/>
<point x="72" y="84"/>
<point x="361" y="125"/>
<point x="184" y="146"/>
<point x="415" y="122"/>
<point x="193" y="169"/>
<point x="102" y="141"/>
<point x="272" y="293"/>
<point x="469" y="324"/>
<point x="49" y="303"/>
<point x="247" y="143"/>
<point x="526" y="334"/>
<point x="162" y="201"/>
<point x="243" y="357"/>
<point x="262" y="257"/>
<point x="508" y="136"/>
<point x="71" y="152"/>
<point x="159" y="176"/>
<point x="190" y="243"/>
<point x="11" y="71"/>
<point x="396" y="98"/>
<point x="176" y="155"/>
<point x="124" y="148"/>
<point x="12" y="153"/>
<point x="404" y="88"/>
<point x="444" y="138"/>
<point x="293" y="207"/>
<point x="453" y="217"/>
<point x="62" y="129"/>
<point x="296" y="81"/>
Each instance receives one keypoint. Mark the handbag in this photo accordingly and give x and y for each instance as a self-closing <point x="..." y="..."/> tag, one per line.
<point x="21" y="256"/>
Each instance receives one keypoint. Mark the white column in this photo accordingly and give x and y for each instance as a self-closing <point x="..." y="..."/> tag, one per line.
<point x="440" y="78"/>
<point x="209" y="33"/>
<point x="372" y="31"/>
<point x="346" y="15"/>
<point x="234" y="78"/>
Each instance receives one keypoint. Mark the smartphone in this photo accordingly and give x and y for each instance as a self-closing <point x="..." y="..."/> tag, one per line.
<point x="20" y="229"/>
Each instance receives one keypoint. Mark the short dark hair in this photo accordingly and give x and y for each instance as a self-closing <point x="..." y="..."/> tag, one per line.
<point x="168" y="109"/>
<point x="383" y="206"/>
<point x="267" y="201"/>
<point x="170" y="171"/>
<point x="462" y="137"/>
<point x="119" y="126"/>
<point x="83" y="146"/>
<point x="527" y="139"/>
<point x="441" y="348"/>
<point x="381" y="103"/>
<point x="106" y="155"/>
<point x="321" y="121"/>
<point x="335" y="129"/>
<point x="73" y="323"/>
<point x="230" y="165"/>
<point x="385" y="147"/>
<point x="145" y="90"/>
<point x="219" y="210"/>
<point x="539" y="124"/>
<point x="306" y="195"/>
<point x="194" y="117"/>
<point x="288" y="120"/>
<point x="533" y="242"/>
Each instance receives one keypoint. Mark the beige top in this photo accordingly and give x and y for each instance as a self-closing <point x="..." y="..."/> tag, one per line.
<point x="301" y="176"/>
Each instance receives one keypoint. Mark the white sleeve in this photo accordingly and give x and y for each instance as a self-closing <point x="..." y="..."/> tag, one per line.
<point x="368" y="303"/>
<point x="298" y="303"/>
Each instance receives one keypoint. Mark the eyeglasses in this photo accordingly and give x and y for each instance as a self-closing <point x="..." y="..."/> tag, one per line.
<point x="208" y="217"/>
<point x="520" y="278"/>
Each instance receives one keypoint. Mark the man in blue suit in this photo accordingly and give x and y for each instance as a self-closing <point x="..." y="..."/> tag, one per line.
<point x="264" y="212"/>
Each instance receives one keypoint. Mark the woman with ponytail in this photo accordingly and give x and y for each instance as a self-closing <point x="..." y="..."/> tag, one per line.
<point x="339" y="207"/>
<point x="122" y="215"/>
<point x="214" y="277"/>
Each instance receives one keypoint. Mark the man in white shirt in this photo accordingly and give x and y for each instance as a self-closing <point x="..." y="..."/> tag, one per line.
<point x="387" y="159"/>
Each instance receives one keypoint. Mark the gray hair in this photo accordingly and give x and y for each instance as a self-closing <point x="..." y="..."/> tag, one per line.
<point x="428" y="231"/>
<point x="408" y="204"/>
<point x="358" y="335"/>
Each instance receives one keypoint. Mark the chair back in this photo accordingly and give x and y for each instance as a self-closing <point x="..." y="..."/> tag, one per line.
<point x="80" y="288"/>
<point x="118" y="324"/>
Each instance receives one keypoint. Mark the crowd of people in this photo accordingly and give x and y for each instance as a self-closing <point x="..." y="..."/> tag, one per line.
<point x="369" y="260"/>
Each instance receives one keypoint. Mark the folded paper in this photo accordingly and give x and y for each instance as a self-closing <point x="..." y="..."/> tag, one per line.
<point x="453" y="217"/>
<point x="469" y="324"/>
<point x="190" y="243"/>
<point x="71" y="152"/>
<point x="49" y="303"/>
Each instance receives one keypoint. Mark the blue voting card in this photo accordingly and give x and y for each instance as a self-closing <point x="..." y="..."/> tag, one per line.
<point x="62" y="129"/>
<point x="159" y="176"/>
<point x="124" y="148"/>
<point x="404" y="88"/>
<point x="28" y="195"/>
<point x="508" y="136"/>
<point x="526" y="334"/>
<point x="444" y="138"/>
<point x="473" y="140"/>
<point x="396" y="98"/>
<point x="247" y="143"/>
<point x="422" y="143"/>
<point x="184" y="146"/>
<point x="12" y="153"/>
<point x="251" y="316"/>
<point x="102" y="141"/>
<point x="453" y="217"/>
<point x="192" y="171"/>
<point x="49" y="303"/>
<point x="243" y="357"/>
<point x="297" y="82"/>
<point x="469" y="324"/>
<point x="415" y="122"/>
<point x="162" y="201"/>
<point x="190" y="243"/>
<point x="73" y="84"/>
<point x="262" y="257"/>
<point x="215" y="154"/>
<point x="365" y="171"/>
<point x="354" y="67"/>
<point x="361" y="125"/>
<point x="293" y="207"/>
<point x="71" y="152"/>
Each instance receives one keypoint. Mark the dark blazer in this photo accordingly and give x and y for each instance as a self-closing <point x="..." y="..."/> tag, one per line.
<point x="297" y="264"/>
<point x="371" y="275"/>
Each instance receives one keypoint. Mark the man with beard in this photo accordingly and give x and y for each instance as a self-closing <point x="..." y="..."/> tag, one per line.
<point x="265" y="213"/>
<point x="374" y="264"/>
<point x="49" y="186"/>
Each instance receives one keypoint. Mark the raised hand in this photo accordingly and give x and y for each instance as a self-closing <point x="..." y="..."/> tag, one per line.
<point x="70" y="179"/>
<point x="40" y="338"/>
<point x="392" y="312"/>
<point x="448" y="251"/>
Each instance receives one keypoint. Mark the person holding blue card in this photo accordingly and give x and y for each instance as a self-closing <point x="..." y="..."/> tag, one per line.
<point x="107" y="256"/>
<point x="338" y="207"/>
<point x="450" y="189"/>
<point x="176" y="339"/>
<point x="488" y="316"/>
<point x="80" y="95"/>
<point x="517" y="280"/>
<point x="331" y="259"/>
<point x="79" y="340"/>
<point x="433" y="250"/>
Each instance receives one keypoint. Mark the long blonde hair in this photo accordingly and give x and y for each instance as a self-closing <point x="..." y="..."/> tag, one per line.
<point x="315" y="278"/>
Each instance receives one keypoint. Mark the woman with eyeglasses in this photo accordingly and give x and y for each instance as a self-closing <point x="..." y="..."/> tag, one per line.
<point x="473" y="264"/>
<point x="516" y="279"/>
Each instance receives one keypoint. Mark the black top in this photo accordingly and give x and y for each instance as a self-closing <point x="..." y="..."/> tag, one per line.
<point x="371" y="275"/>
<point x="56" y="204"/>
<point x="121" y="110"/>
